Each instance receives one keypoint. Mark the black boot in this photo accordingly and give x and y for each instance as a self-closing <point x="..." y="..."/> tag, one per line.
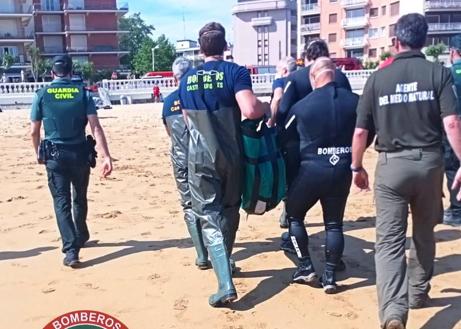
<point x="328" y="282"/>
<point x="226" y="290"/>
<point x="305" y="273"/>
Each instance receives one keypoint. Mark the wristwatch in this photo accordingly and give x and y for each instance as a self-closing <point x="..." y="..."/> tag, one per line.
<point x="356" y="169"/>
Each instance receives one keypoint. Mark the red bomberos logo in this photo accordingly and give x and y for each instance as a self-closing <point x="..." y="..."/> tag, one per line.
<point x="85" y="320"/>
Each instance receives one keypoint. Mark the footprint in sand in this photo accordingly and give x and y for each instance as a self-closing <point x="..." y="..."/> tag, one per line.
<point x="48" y="290"/>
<point x="181" y="304"/>
<point x="146" y="233"/>
<point x="153" y="277"/>
<point x="109" y="215"/>
<point x="89" y="286"/>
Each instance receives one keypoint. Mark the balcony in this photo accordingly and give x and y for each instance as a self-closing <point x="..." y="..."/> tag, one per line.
<point x="354" y="4"/>
<point x="19" y="12"/>
<point x="448" y="5"/>
<point x="50" y="29"/>
<point x="52" y="51"/>
<point x="53" y="9"/>
<point x="16" y="38"/>
<point x="355" y="22"/>
<point x="92" y="30"/>
<point x="352" y="43"/>
<point x="310" y="9"/>
<point x="96" y="50"/>
<point x="312" y="28"/>
<point x="444" y="28"/>
<point x="261" y="21"/>
<point x="96" y="7"/>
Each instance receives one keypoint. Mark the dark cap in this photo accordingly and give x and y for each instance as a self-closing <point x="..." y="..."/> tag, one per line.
<point x="62" y="65"/>
<point x="455" y="42"/>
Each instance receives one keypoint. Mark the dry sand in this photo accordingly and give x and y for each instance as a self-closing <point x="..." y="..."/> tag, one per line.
<point x="140" y="266"/>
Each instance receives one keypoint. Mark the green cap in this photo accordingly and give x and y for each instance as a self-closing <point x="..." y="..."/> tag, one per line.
<point x="455" y="42"/>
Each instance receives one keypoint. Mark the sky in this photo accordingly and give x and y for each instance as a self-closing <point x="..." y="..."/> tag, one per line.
<point x="167" y="16"/>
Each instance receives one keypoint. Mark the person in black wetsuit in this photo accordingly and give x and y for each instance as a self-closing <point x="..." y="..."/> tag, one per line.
<point x="298" y="86"/>
<point x="325" y="121"/>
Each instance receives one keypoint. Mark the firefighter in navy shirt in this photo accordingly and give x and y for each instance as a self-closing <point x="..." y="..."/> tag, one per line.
<point x="177" y="130"/>
<point x="213" y="98"/>
<point x="325" y="122"/>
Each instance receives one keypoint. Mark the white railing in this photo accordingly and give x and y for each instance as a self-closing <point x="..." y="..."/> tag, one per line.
<point x="448" y="4"/>
<point x="350" y="3"/>
<point x="355" y="22"/>
<point x="141" y="89"/>
<point x="354" y="42"/>
<point x="310" y="8"/>
<point x="310" y="28"/>
<point x="444" y="27"/>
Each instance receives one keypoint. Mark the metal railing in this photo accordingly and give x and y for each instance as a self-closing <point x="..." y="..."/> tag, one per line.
<point x="19" y="36"/>
<point x="310" y="28"/>
<point x="350" y="3"/>
<point x="21" y="9"/>
<point x="70" y="28"/>
<point x="444" y="27"/>
<point x="96" y="6"/>
<point x="354" y="42"/>
<point x="53" y="50"/>
<point x="355" y="22"/>
<point x="308" y="8"/>
<point x="448" y="4"/>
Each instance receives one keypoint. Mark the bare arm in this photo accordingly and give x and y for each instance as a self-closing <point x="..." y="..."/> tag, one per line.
<point x="359" y="145"/>
<point x="100" y="137"/>
<point x="275" y="103"/>
<point x="251" y="107"/>
<point x="452" y="124"/>
<point x="35" y="127"/>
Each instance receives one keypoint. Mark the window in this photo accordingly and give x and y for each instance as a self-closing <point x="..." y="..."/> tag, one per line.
<point x="395" y="8"/>
<point x="354" y="13"/>
<point x="374" y="12"/>
<point x="352" y="34"/>
<point x="51" y="23"/>
<point x="332" y="37"/>
<point x="383" y="10"/>
<point x="77" y="22"/>
<point x="333" y="18"/>
<point x="373" y="32"/>
<point x="372" y="53"/>
<point x="383" y="50"/>
<point x="78" y="42"/>
<point x="392" y="30"/>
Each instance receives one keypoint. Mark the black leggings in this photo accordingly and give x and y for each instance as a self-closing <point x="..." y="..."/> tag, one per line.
<point x="318" y="180"/>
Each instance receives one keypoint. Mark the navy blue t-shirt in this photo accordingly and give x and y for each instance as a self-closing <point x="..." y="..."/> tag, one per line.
<point x="221" y="81"/>
<point x="171" y="105"/>
<point x="278" y="83"/>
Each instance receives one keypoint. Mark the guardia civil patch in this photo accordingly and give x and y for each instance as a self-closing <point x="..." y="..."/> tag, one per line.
<point x="85" y="320"/>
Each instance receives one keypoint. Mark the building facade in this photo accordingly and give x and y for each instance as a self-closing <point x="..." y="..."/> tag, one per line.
<point x="16" y="30"/>
<point x="264" y="31"/>
<point x="364" y="28"/>
<point x="85" y="29"/>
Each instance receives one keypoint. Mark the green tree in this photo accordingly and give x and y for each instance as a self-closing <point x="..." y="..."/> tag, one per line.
<point x="138" y="32"/>
<point x="165" y="54"/>
<point x="385" y="55"/>
<point x="436" y="50"/>
<point x="142" y="61"/>
<point x="43" y="68"/>
<point x="7" y="61"/>
<point x="36" y="61"/>
<point x="88" y="71"/>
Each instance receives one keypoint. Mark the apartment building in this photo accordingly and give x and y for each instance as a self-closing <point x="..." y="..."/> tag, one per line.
<point x="364" y="28"/>
<point x="264" y="31"/>
<point x="85" y="29"/>
<point x="16" y="30"/>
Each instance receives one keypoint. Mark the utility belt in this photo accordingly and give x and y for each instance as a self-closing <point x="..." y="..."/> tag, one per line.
<point x="85" y="152"/>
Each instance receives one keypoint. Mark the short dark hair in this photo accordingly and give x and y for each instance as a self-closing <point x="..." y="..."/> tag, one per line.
<point x="315" y="49"/>
<point x="212" y="39"/>
<point x="411" y="30"/>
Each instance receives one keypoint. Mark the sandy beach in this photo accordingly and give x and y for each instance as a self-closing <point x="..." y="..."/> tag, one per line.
<point x="139" y="266"/>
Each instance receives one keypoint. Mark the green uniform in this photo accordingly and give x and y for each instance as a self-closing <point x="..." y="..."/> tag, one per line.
<point x="406" y="103"/>
<point x="63" y="107"/>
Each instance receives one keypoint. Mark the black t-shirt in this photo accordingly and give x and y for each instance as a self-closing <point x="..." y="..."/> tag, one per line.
<point x="298" y="86"/>
<point x="406" y="102"/>
<point x="325" y="122"/>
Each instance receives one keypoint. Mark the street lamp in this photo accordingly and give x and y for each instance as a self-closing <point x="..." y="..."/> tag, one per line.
<point x="153" y="57"/>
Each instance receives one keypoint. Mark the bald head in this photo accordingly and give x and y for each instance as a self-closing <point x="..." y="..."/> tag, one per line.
<point x="322" y="71"/>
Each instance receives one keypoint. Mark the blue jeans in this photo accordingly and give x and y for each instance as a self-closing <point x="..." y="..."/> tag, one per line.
<point x="70" y="171"/>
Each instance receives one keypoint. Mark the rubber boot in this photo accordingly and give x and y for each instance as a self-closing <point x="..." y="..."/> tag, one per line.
<point x="229" y="226"/>
<point x="195" y="231"/>
<point x="226" y="290"/>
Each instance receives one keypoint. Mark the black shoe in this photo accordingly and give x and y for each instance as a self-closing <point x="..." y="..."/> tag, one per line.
<point x="286" y="244"/>
<point x="305" y="274"/>
<point x="328" y="282"/>
<point x="418" y="302"/>
<point x="71" y="259"/>
<point x="394" y="324"/>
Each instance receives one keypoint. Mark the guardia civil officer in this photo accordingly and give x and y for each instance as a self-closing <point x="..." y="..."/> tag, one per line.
<point x="213" y="98"/>
<point x="177" y="130"/>
<point x="65" y="108"/>
<point x="452" y="215"/>
<point x="408" y="102"/>
<point x="325" y="122"/>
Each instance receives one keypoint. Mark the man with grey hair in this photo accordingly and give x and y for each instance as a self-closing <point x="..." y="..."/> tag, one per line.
<point x="285" y="67"/>
<point x="177" y="130"/>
